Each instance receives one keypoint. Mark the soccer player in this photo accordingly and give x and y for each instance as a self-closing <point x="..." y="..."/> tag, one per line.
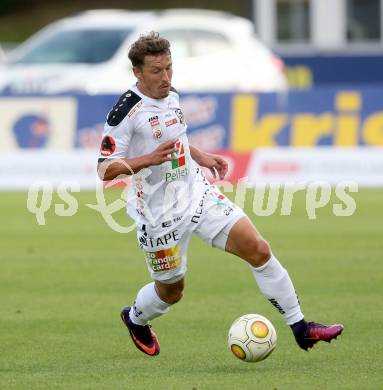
<point x="170" y="199"/>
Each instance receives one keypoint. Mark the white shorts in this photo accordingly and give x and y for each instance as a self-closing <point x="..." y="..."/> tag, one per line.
<point x="165" y="246"/>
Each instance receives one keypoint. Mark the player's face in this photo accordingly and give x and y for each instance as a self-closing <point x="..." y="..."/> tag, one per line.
<point x="155" y="76"/>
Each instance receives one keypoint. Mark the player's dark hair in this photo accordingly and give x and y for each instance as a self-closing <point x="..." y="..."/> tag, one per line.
<point x="148" y="44"/>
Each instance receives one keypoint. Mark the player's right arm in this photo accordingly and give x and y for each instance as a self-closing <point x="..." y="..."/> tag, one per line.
<point x="117" y="135"/>
<point x="110" y="168"/>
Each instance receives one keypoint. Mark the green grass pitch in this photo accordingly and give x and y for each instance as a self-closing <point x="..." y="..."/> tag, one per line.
<point x="62" y="286"/>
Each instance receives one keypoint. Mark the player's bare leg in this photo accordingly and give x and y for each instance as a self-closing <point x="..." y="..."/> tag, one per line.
<point x="170" y="292"/>
<point x="246" y="242"/>
<point x="274" y="282"/>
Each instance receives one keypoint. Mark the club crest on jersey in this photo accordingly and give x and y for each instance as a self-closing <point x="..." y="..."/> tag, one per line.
<point x="180" y="116"/>
<point x="157" y="133"/>
<point x="156" y="126"/>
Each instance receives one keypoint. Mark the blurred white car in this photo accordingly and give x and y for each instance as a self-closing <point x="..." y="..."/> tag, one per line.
<point x="87" y="53"/>
<point x="3" y="56"/>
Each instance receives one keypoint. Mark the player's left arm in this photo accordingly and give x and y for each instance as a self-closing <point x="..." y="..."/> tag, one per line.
<point x="215" y="163"/>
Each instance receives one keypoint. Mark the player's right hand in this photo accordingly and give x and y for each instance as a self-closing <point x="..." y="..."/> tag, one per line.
<point x="163" y="152"/>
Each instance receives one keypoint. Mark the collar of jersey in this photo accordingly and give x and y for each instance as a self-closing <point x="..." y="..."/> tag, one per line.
<point x="161" y="103"/>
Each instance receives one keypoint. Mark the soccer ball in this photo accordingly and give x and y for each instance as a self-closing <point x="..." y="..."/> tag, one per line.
<point x="252" y="338"/>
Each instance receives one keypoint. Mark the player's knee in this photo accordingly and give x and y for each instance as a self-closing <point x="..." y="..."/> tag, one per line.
<point x="260" y="252"/>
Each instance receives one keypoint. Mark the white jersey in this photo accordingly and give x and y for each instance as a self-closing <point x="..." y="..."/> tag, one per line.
<point x="162" y="195"/>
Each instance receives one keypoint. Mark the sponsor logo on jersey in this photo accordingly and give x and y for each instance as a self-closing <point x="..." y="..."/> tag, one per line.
<point x="179" y="161"/>
<point x="108" y="146"/>
<point x="153" y="242"/>
<point x="177" y="174"/>
<point x="199" y="210"/>
<point x="178" y="168"/>
<point x="214" y="197"/>
<point x="156" y="127"/>
<point x="164" y="260"/>
<point x="171" y="122"/>
<point x="170" y="222"/>
<point x="135" y="108"/>
<point x="221" y="201"/>
<point x="154" y="121"/>
<point x="217" y="198"/>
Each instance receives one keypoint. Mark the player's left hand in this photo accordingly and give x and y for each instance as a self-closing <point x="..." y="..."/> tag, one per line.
<point x="216" y="164"/>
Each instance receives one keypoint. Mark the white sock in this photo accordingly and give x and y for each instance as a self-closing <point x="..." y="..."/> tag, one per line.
<point x="275" y="284"/>
<point x="148" y="306"/>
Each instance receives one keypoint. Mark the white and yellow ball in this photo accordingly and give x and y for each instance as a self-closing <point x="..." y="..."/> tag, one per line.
<point x="252" y="338"/>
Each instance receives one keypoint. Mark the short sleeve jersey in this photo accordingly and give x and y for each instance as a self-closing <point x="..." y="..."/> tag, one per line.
<point x="136" y="126"/>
